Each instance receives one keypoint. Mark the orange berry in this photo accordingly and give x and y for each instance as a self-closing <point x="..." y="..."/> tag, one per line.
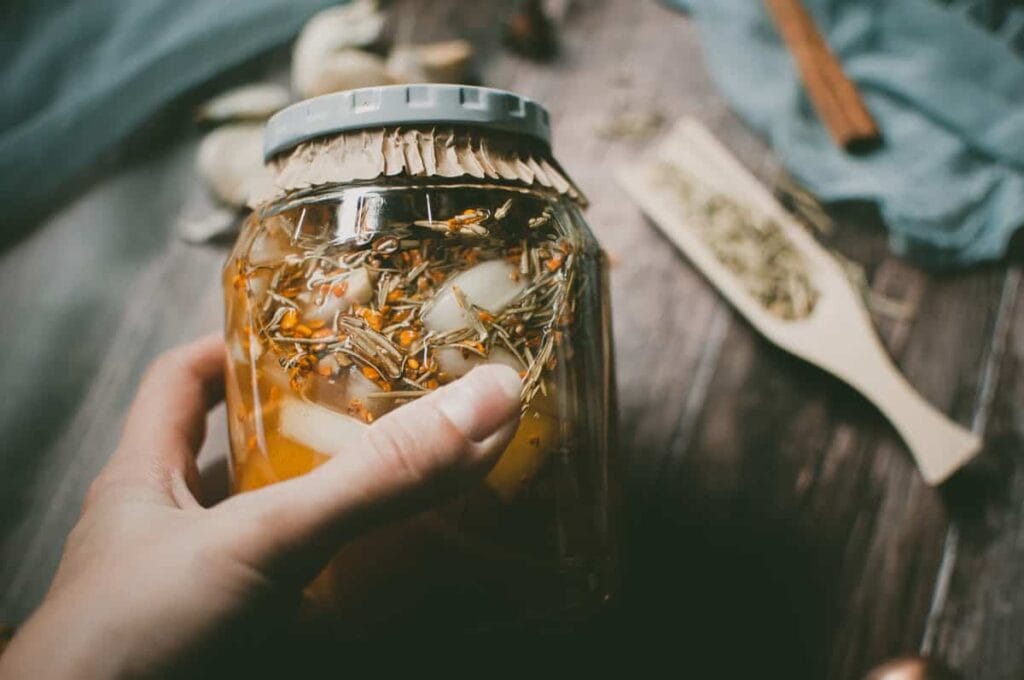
<point x="406" y="337"/>
<point x="290" y="320"/>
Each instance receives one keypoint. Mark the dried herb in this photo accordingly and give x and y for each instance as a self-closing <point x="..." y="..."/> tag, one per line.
<point x="384" y="335"/>
<point x="750" y="244"/>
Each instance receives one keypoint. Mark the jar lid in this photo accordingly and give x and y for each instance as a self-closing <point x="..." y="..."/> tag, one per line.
<point x="425" y="104"/>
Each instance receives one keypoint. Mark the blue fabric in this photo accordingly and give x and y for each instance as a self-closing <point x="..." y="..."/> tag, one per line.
<point x="944" y="80"/>
<point x="77" y="76"/>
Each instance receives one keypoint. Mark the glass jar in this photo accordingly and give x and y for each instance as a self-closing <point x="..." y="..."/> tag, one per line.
<point x="392" y="260"/>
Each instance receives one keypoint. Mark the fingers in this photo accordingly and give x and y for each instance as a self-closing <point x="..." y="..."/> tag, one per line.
<point x="413" y="455"/>
<point x="166" y="422"/>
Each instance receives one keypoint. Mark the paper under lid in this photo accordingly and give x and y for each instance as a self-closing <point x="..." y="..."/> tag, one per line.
<point x="446" y="152"/>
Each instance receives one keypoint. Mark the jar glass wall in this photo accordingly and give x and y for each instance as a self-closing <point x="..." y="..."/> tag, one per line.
<point x="352" y="300"/>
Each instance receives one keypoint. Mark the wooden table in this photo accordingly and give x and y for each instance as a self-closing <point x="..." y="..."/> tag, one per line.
<point x="775" y="523"/>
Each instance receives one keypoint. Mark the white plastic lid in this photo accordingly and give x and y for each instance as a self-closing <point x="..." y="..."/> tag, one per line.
<point x="425" y="104"/>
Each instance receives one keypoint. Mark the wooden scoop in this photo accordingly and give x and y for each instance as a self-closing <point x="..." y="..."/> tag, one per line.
<point x="837" y="336"/>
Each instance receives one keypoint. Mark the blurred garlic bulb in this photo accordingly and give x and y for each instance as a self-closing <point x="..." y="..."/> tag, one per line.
<point x="257" y="101"/>
<point x="344" y="70"/>
<point x="326" y="57"/>
<point x="440" y="62"/>
<point x="230" y="160"/>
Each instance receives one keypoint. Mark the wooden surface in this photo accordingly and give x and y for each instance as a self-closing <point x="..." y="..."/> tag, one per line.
<point x="775" y="524"/>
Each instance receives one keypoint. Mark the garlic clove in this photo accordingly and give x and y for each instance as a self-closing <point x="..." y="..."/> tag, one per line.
<point x="269" y="246"/>
<point x="457" y="362"/>
<point x="360" y="287"/>
<point x="446" y="62"/>
<point x="490" y="285"/>
<point x="274" y="380"/>
<point x="324" y="59"/>
<point x="440" y="62"/>
<point x="358" y="290"/>
<point x="534" y="441"/>
<point x="257" y="101"/>
<point x="355" y="24"/>
<point x="230" y="160"/>
<point x="318" y="428"/>
<point x="236" y="350"/>
<point x="344" y="70"/>
<point x="217" y="223"/>
<point x="348" y="389"/>
<point x="404" y="64"/>
<point x="359" y="386"/>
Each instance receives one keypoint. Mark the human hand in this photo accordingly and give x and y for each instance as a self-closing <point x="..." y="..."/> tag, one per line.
<point x="152" y="584"/>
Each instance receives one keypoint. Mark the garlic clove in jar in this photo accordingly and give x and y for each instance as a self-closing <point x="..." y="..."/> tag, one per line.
<point x="269" y="247"/>
<point x="546" y="402"/>
<point x="359" y="387"/>
<point x="346" y="390"/>
<point x="355" y="289"/>
<point x="318" y="428"/>
<point x="457" y="362"/>
<point x="257" y="101"/>
<point x="240" y="348"/>
<point x="258" y="284"/>
<point x="230" y="160"/>
<point x="273" y="379"/>
<point x="490" y="285"/>
<point x="533" y="442"/>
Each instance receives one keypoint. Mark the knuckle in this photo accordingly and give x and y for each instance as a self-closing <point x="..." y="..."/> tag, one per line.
<point x="163" y="365"/>
<point x="395" y="449"/>
<point x="457" y="445"/>
<point x="421" y="454"/>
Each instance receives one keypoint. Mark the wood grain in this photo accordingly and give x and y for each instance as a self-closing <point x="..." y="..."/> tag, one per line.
<point x="978" y="625"/>
<point x="775" y="524"/>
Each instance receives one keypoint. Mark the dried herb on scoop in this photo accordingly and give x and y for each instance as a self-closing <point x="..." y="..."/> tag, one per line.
<point x="750" y="244"/>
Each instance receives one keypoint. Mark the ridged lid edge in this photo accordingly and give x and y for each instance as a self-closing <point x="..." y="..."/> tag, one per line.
<point x="413" y="105"/>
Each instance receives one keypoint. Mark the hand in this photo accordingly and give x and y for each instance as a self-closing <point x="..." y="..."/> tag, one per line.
<point x="152" y="584"/>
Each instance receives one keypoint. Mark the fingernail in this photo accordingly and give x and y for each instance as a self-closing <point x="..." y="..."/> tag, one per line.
<point x="481" y="402"/>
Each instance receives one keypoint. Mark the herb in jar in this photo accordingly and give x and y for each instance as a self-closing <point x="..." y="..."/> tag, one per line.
<point x="408" y="309"/>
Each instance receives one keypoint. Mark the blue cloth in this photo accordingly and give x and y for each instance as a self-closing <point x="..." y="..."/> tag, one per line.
<point x="77" y="76"/>
<point x="944" y="80"/>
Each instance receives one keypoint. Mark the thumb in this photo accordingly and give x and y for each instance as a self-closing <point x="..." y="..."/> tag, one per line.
<point x="414" y="455"/>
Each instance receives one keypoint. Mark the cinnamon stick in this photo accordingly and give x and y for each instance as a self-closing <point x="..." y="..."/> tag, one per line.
<point x="833" y="94"/>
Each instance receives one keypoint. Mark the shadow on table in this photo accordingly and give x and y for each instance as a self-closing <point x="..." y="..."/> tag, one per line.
<point x="733" y="598"/>
<point x="736" y="599"/>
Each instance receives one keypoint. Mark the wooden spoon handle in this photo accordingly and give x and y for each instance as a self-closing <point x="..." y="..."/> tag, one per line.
<point x="939" y="445"/>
